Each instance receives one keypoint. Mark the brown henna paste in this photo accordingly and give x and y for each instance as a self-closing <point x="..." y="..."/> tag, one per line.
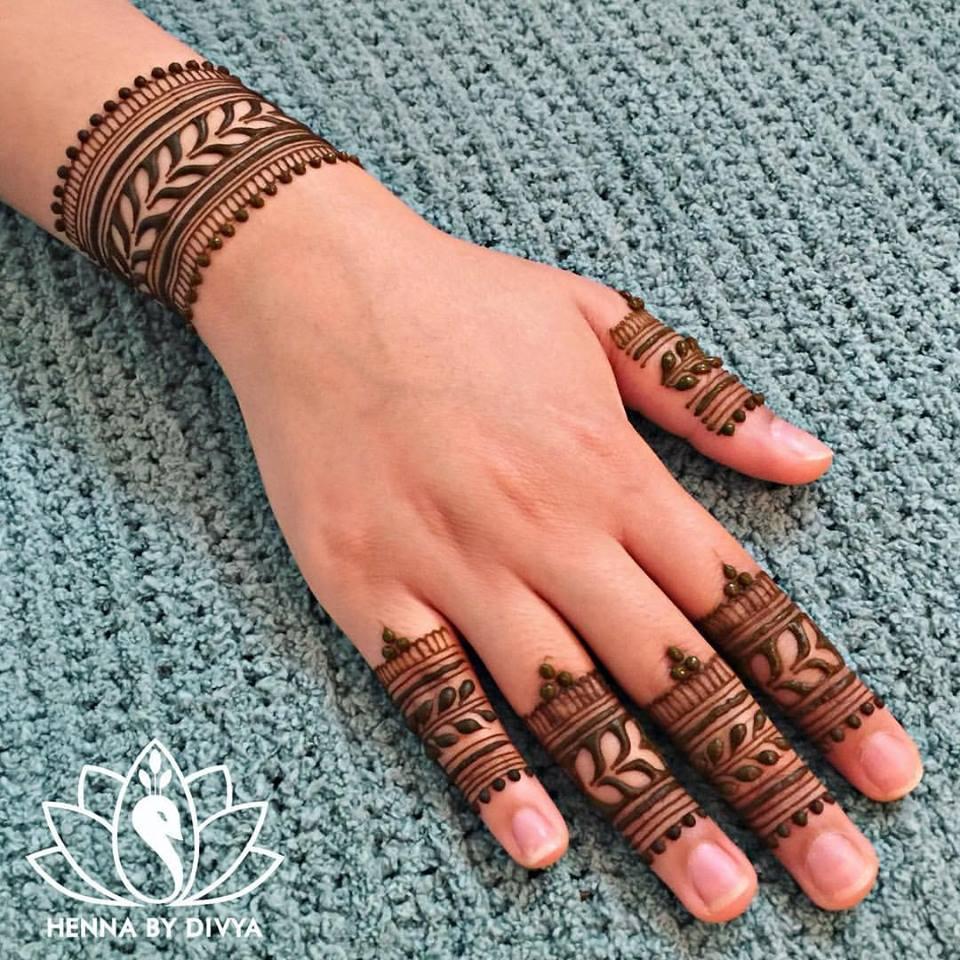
<point x="715" y="721"/>
<point x="589" y="733"/>
<point x="168" y="169"/>
<point x="716" y="398"/>
<point x="432" y="682"/>
<point x="769" y="639"/>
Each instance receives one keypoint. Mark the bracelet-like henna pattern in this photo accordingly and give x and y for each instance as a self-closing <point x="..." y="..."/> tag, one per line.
<point x="589" y="733"/>
<point x="772" y="641"/>
<point x="432" y="682"/>
<point x="714" y="720"/>
<point x="157" y="181"/>
<point x="717" y="398"/>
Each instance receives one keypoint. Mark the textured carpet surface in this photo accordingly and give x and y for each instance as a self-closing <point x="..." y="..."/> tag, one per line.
<point x="781" y="179"/>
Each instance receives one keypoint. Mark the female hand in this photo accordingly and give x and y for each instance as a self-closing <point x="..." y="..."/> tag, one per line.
<point x="442" y="436"/>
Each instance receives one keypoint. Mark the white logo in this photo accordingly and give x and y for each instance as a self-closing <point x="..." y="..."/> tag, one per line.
<point x="162" y="852"/>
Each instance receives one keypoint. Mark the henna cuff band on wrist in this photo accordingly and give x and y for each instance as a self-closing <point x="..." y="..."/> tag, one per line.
<point x="169" y="168"/>
<point x="433" y="684"/>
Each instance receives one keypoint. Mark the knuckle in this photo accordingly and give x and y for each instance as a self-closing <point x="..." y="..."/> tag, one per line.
<point x="527" y="492"/>
<point x="599" y="450"/>
<point x="442" y="514"/>
<point x="343" y="541"/>
<point x="595" y="441"/>
<point x="569" y="472"/>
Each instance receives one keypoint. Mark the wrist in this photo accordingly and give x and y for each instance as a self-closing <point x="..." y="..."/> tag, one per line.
<point x="308" y="255"/>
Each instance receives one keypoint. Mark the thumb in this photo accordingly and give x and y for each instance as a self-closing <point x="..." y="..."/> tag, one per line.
<point x="681" y="386"/>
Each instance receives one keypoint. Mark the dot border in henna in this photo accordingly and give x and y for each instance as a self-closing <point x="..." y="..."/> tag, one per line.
<point x="207" y="236"/>
<point x="799" y="818"/>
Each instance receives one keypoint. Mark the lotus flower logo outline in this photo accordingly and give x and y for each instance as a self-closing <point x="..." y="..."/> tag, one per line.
<point x="155" y="813"/>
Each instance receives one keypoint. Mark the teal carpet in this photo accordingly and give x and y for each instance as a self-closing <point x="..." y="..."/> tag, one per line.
<point x="781" y="179"/>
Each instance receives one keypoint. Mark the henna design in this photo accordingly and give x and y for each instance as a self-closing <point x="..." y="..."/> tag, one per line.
<point x="554" y="680"/>
<point x="170" y="168"/>
<point x="684" y="666"/>
<point x="711" y="716"/>
<point x="718" y="399"/>
<point x="776" y="644"/>
<point x="432" y="682"/>
<point x="589" y="733"/>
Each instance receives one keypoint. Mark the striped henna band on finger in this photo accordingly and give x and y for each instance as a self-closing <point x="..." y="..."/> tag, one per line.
<point x="588" y="732"/>
<point x="716" y="398"/>
<point x="714" y="720"/>
<point x="772" y="641"/>
<point x="158" y="179"/>
<point x="433" y="684"/>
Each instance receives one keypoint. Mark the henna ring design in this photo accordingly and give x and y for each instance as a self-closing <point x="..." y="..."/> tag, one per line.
<point x="432" y="682"/>
<point x="714" y="720"/>
<point x="769" y="639"/>
<point x="717" y="398"/>
<point x="589" y="733"/>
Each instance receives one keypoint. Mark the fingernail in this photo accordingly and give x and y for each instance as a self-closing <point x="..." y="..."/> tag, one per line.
<point x="715" y="875"/>
<point x="889" y="763"/>
<point x="798" y="442"/>
<point x="534" y="835"/>
<point x="835" y="865"/>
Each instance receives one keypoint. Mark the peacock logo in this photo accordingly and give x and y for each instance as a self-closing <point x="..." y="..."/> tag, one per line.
<point x="155" y="837"/>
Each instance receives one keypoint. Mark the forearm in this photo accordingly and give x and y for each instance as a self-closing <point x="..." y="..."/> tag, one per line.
<point x="80" y="101"/>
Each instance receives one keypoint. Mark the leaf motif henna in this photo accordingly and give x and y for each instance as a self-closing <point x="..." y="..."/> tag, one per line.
<point x="589" y="734"/>
<point x="713" y="719"/>
<point x="717" y="398"/>
<point x="169" y="169"/>
<point x="768" y="638"/>
<point x="433" y="684"/>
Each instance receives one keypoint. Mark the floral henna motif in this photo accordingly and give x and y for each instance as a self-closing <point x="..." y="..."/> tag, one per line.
<point x="158" y="180"/>
<point x="712" y="718"/>
<point x="769" y="639"/>
<point x="588" y="732"/>
<point x="435" y="687"/>
<point x="717" y="398"/>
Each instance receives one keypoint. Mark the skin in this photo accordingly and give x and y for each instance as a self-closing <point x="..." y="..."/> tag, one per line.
<point x="442" y="434"/>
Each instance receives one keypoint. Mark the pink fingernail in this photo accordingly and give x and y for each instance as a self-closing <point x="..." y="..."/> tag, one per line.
<point x="715" y="875"/>
<point x="534" y="835"/>
<point x="798" y="442"/>
<point x="836" y="866"/>
<point x="889" y="763"/>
